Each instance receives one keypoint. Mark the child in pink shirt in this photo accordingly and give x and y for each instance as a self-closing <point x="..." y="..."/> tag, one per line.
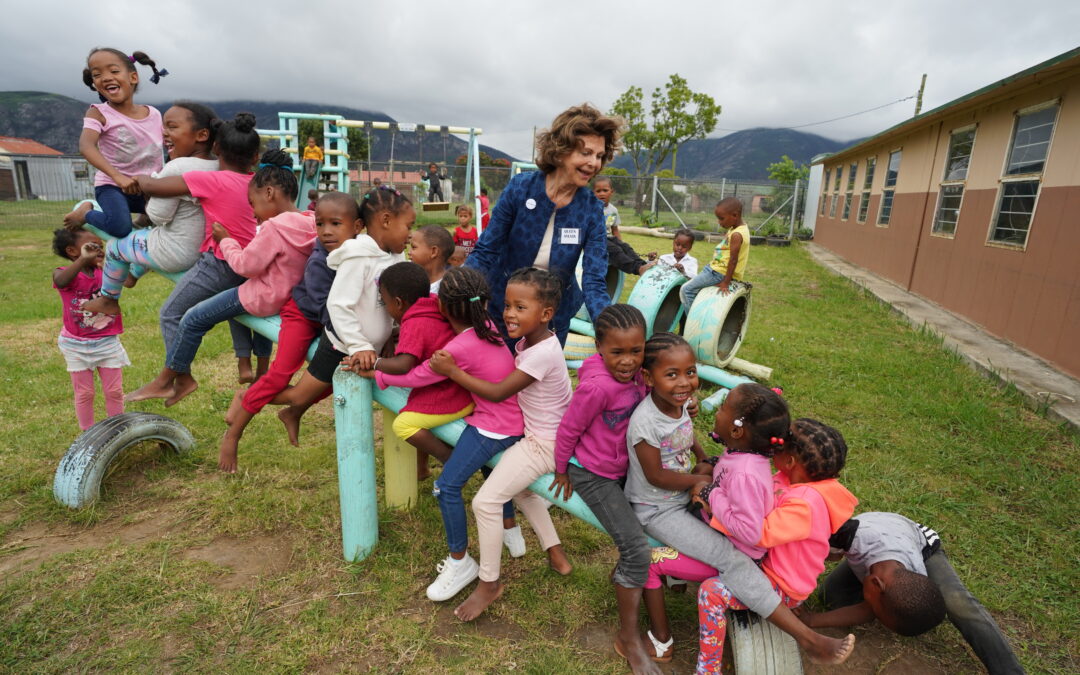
<point x="491" y="427"/>
<point x="542" y="384"/>
<point x="273" y="264"/>
<point x="119" y="138"/>
<point x="88" y="341"/>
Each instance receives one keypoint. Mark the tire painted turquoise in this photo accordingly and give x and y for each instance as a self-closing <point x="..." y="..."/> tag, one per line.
<point x="656" y="294"/>
<point x="615" y="280"/>
<point x="77" y="482"/>
<point x="717" y="324"/>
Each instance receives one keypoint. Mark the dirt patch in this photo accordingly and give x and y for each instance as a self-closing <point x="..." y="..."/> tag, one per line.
<point x="246" y="560"/>
<point x="26" y="549"/>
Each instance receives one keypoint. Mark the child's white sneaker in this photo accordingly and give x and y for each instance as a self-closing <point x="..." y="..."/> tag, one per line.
<point x="454" y="575"/>
<point x="514" y="541"/>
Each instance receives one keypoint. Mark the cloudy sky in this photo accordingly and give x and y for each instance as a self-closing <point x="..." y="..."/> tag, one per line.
<point x="507" y="66"/>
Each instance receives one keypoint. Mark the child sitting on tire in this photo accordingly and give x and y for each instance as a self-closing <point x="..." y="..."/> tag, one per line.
<point x="728" y="265"/>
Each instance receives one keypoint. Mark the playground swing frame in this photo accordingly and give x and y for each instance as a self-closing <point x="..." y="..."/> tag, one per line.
<point x="336" y="148"/>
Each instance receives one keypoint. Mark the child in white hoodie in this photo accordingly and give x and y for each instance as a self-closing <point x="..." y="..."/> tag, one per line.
<point x="361" y="324"/>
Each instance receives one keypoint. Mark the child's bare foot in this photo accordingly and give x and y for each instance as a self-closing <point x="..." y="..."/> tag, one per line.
<point x="102" y="304"/>
<point x="262" y="365"/>
<point x="290" y="417"/>
<point x="829" y="651"/>
<point x="77" y="218"/>
<point x="159" y="387"/>
<point x="234" y="407"/>
<point x="557" y="560"/>
<point x="636" y="655"/>
<point x="227" y="452"/>
<point x="485" y="593"/>
<point x="243" y="371"/>
<point x="183" y="385"/>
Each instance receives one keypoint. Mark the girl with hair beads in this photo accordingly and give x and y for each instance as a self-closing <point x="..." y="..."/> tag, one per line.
<point x="490" y="428"/>
<point x="594" y="431"/>
<point x="810" y="505"/>
<point x="273" y="263"/>
<point x="359" y="325"/>
<point x="542" y="384"/>
<point x="303" y="316"/>
<point x="660" y="440"/>
<point x="223" y="195"/>
<point x="119" y="138"/>
<point x="173" y="245"/>
<point x="88" y="341"/>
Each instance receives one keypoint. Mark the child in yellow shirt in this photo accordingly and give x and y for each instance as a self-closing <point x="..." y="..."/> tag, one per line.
<point x="729" y="260"/>
<point x="313" y="157"/>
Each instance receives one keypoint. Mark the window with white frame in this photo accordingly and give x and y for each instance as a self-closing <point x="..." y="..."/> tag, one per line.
<point x="839" y="173"/>
<point x="824" y="191"/>
<point x="850" y="190"/>
<point x="868" y="180"/>
<point x="892" y="173"/>
<point x="961" y="144"/>
<point x="1032" y="132"/>
<point x="832" y="207"/>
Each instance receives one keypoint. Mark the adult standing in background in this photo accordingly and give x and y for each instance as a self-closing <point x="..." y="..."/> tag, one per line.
<point x="550" y="218"/>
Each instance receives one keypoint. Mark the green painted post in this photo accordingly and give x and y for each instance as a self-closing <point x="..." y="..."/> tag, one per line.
<point x="355" y="431"/>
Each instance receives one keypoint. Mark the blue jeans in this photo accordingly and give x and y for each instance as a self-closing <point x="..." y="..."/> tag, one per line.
<point x="116" y="208"/>
<point x="206" y="278"/>
<point x="246" y="342"/>
<point x="472" y="451"/>
<point x="196" y="323"/>
<point x="705" y="278"/>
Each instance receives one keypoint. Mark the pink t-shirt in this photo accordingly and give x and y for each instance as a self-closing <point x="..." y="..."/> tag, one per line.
<point x="132" y="146"/>
<point x="544" y="402"/>
<point x="224" y="198"/>
<point x="85" y="325"/>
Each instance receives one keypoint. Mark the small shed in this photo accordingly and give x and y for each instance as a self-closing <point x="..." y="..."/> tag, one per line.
<point x="32" y="170"/>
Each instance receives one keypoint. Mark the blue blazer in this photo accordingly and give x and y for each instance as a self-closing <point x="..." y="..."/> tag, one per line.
<point x="513" y="237"/>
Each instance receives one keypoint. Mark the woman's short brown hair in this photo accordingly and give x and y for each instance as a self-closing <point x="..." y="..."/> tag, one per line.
<point x="566" y="131"/>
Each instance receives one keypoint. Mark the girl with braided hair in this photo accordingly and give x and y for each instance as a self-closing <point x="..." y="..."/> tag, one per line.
<point x="660" y="440"/>
<point x="491" y="427"/>
<point x="119" y="138"/>
<point x="272" y="264"/>
<point x="542" y="384"/>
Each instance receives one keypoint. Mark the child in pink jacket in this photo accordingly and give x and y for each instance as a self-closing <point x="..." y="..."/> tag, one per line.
<point x="273" y="263"/>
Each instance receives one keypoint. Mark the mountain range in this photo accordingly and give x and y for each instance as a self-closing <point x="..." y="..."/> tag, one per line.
<point x="56" y="121"/>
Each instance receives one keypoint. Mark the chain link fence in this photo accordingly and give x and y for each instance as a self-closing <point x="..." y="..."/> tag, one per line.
<point x="42" y="188"/>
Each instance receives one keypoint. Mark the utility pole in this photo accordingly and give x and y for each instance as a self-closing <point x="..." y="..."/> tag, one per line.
<point x="918" y="99"/>
<point x="532" y="153"/>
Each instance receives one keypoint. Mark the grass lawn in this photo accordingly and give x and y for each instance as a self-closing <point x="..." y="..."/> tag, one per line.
<point x="179" y="568"/>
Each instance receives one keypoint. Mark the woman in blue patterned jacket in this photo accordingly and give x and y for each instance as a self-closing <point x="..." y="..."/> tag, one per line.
<point x="549" y="218"/>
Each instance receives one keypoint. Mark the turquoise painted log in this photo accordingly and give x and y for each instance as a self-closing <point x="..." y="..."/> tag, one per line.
<point x="582" y="327"/>
<point x="720" y="376"/>
<point x="394" y="398"/>
<point x="715" y="400"/>
<point x="717" y="323"/>
<point x="355" y="432"/>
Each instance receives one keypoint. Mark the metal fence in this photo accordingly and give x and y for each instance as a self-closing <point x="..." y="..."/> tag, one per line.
<point x="28" y="182"/>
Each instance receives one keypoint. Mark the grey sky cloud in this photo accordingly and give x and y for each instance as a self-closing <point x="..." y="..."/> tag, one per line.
<point x="509" y="66"/>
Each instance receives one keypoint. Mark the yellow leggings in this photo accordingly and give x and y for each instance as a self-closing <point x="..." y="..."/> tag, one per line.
<point x="408" y="423"/>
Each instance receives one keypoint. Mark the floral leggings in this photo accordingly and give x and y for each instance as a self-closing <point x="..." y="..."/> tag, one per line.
<point x="714" y="599"/>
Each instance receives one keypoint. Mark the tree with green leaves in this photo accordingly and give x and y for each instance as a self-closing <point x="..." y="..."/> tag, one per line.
<point x="786" y="172"/>
<point x="676" y="114"/>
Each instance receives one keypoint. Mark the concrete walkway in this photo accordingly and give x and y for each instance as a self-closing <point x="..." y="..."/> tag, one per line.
<point x="1037" y="380"/>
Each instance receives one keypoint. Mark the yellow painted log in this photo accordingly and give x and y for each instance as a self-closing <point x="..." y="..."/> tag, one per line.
<point x="399" y="466"/>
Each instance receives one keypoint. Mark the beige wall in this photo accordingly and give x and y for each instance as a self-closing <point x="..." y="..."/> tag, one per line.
<point x="1029" y="295"/>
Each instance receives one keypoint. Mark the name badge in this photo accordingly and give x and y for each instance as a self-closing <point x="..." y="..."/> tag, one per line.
<point x="569" y="235"/>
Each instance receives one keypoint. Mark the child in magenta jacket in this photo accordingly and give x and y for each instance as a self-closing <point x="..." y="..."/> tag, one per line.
<point x="594" y="431"/>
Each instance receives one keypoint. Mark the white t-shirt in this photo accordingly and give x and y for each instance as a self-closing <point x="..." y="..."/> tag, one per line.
<point x="544" y="402"/>
<point x="689" y="263"/>
<point x="611" y="218"/>
<point x="181" y="225"/>
<point x="543" y="256"/>
<point x="673" y="437"/>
